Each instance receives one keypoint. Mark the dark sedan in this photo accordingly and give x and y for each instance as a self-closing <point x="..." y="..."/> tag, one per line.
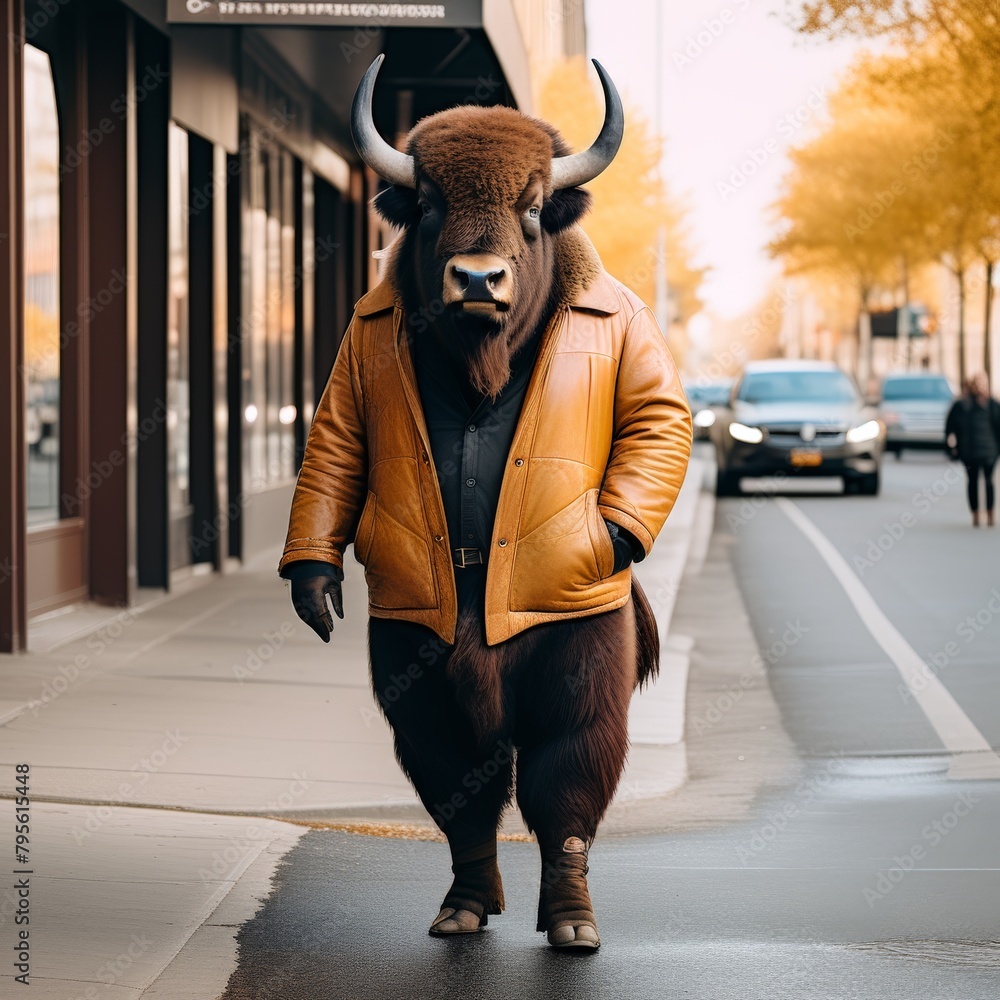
<point x="703" y="395"/>
<point x="799" y="418"/>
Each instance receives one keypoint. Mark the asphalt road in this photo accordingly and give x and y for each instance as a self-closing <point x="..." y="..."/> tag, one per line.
<point x="828" y="843"/>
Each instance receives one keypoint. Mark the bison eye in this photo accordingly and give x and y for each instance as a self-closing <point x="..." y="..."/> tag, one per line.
<point x="534" y="212"/>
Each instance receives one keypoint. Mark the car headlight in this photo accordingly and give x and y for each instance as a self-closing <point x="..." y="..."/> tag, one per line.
<point x="748" y="435"/>
<point x="867" y="431"/>
<point x="704" y="418"/>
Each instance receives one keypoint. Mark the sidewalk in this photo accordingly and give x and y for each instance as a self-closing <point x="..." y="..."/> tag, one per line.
<point x="220" y="701"/>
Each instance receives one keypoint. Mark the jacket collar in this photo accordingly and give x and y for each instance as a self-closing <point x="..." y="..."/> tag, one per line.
<point x="383" y="296"/>
<point x="600" y="296"/>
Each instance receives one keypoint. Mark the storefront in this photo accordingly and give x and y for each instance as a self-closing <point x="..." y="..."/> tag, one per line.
<point x="183" y="233"/>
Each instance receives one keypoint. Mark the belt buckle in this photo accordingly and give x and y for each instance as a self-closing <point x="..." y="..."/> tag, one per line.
<point x="460" y="554"/>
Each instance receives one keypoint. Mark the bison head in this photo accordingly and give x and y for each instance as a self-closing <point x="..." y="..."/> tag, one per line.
<point x="483" y="196"/>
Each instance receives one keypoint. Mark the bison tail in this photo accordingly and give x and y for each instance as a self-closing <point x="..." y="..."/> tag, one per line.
<point x="647" y="637"/>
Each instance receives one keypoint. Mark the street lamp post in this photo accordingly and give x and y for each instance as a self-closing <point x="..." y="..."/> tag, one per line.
<point x="662" y="288"/>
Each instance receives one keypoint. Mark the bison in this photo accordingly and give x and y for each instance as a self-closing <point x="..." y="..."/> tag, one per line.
<point x="502" y="434"/>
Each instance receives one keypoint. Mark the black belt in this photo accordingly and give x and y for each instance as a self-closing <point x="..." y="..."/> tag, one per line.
<point x="467" y="557"/>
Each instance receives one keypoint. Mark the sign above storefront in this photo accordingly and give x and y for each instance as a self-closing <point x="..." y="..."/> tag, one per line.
<point x="451" y="14"/>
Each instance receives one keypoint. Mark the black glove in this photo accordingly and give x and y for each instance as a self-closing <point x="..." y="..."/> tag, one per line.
<point x="311" y="582"/>
<point x="627" y="547"/>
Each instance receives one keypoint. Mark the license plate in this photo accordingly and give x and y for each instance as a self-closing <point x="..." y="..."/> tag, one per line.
<point x="805" y="456"/>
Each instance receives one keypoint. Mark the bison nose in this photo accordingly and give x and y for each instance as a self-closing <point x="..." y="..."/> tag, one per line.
<point x="477" y="278"/>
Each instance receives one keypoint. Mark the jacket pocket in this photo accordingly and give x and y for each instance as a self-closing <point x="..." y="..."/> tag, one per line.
<point x="366" y="526"/>
<point x="557" y="564"/>
<point x="604" y="549"/>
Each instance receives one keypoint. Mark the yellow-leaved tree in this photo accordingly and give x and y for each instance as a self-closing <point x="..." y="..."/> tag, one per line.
<point x="941" y="84"/>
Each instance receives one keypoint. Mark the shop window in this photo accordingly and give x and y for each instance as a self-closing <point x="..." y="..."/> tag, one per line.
<point x="178" y="365"/>
<point x="41" y="287"/>
<point x="267" y="323"/>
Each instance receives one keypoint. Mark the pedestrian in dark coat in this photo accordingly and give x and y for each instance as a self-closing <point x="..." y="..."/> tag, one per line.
<point x="972" y="435"/>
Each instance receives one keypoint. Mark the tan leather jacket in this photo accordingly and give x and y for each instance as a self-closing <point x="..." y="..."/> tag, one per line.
<point x="604" y="432"/>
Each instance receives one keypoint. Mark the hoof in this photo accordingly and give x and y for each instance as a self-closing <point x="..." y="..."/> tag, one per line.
<point x="451" y="921"/>
<point x="582" y="936"/>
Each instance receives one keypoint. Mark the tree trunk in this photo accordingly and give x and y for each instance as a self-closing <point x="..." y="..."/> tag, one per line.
<point x="987" y="346"/>
<point x="902" y="325"/>
<point x="864" y="366"/>
<point x="960" y="274"/>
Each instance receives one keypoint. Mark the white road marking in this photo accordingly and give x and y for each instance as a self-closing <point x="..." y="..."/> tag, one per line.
<point x="972" y="755"/>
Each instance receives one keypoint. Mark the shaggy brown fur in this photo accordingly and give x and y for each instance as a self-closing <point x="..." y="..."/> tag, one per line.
<point x="558" y="693"/>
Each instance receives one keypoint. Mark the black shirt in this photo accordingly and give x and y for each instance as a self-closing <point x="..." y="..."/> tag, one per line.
<point x="470" y="439"/>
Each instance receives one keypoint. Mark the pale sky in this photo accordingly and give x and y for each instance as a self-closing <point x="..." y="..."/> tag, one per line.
<point x="729" y="87"/>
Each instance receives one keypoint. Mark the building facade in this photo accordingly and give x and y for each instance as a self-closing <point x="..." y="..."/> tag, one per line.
<point x="184" y="230"/>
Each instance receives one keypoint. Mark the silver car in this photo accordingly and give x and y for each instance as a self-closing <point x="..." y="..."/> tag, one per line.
<point x="798" y="418"/>
<point x="913" y="408"/>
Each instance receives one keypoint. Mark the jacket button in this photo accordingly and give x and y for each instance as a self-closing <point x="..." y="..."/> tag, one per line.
<point x="439" y="538"/>
<point x="502" y="542"/>
<point x="519" y="462"/>
<point x="424" y="456"/>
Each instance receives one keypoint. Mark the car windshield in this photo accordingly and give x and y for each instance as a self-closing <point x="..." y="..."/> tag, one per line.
<point x="804" y="386"/>
<point x="917" y="388"/>
<point x="710" y="394"/>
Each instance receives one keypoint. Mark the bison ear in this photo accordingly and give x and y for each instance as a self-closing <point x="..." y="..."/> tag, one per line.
<point x="397" y="205"/>
<point x="564" y="208"/>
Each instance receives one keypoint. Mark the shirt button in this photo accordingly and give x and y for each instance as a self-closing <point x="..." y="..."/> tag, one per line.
<point x="470" y="537"/>
<point x="470" y="483"/>
<point x="502" y="542"/>
<point x="519" y="462"/>
<point x="472" y="428"/>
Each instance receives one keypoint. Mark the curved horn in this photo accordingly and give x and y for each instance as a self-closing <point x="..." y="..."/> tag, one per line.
<point x="387" y="162"/>
<point x="578" y="168"/>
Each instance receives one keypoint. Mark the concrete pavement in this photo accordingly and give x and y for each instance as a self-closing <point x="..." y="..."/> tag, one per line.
<point x="218" y="701"/>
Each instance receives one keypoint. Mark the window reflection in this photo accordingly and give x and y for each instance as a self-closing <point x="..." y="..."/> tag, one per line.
<point x="178" y="366"/>
<point x="267" y="322"/>
<point x="41" y="287"/>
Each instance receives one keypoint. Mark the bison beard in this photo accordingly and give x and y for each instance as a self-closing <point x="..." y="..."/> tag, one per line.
<point x="488" y="364"/>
